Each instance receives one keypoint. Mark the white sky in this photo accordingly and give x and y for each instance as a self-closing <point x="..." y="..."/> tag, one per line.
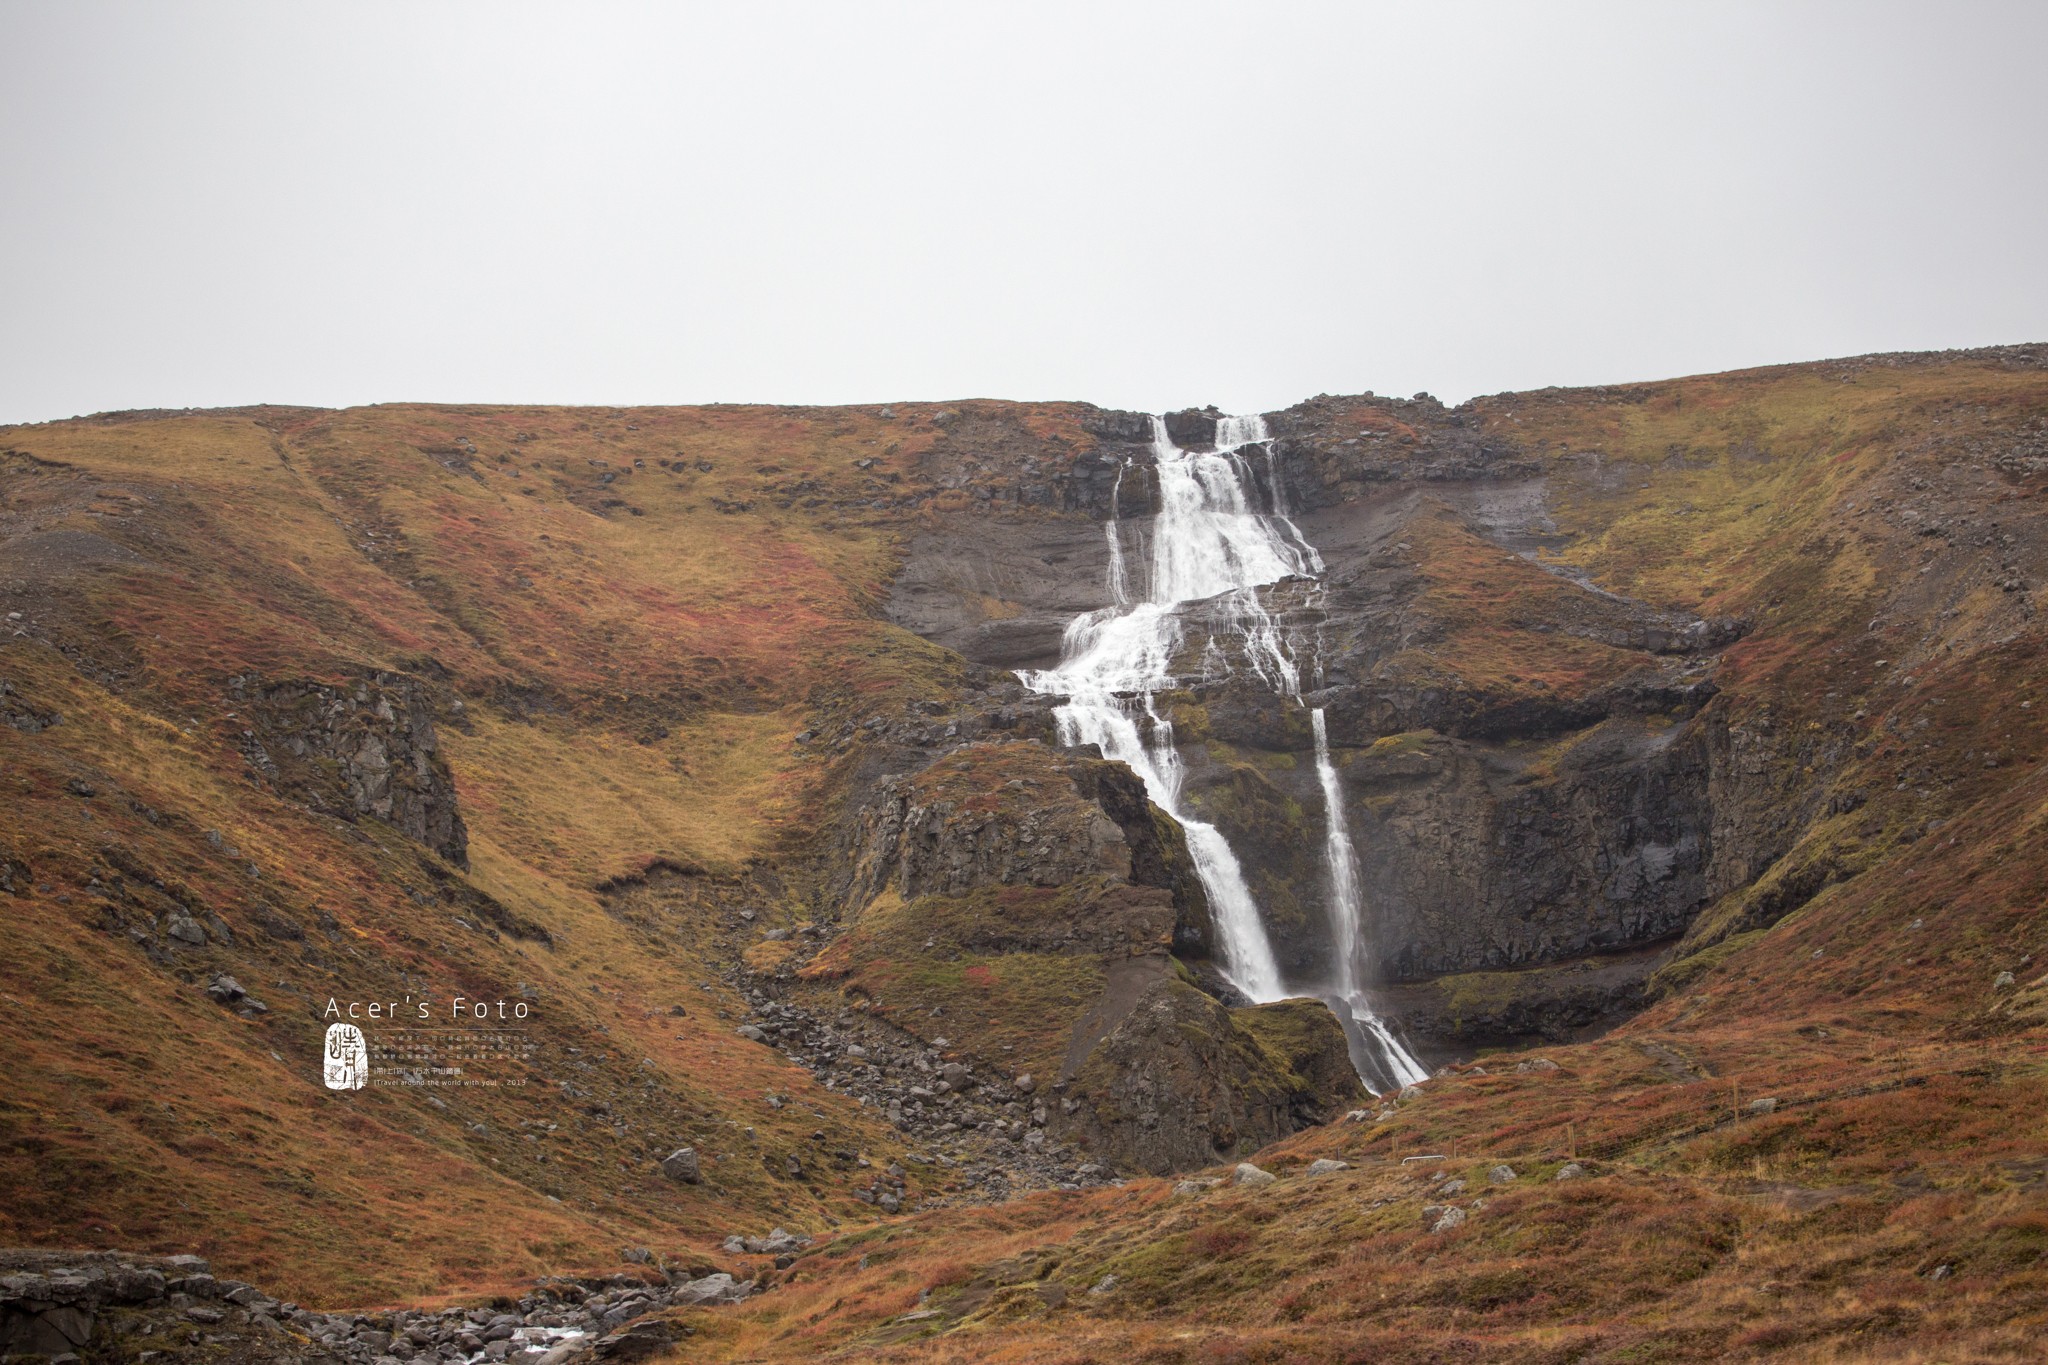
<point x="1141" y="205"/>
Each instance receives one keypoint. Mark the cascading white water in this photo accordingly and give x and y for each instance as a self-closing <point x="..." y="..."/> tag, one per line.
<point x="1119" y="587"/>
<point x="1384" y="1053"/>
<point x="1206" y="542"/>
<point x="1209" y="543"/>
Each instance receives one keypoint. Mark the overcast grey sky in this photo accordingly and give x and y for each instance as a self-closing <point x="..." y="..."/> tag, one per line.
<point x="1141" y="205"/>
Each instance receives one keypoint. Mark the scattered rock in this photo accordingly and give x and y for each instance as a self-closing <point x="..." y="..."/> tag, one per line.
<point x="1571" y="1170"/>
<point x="639" y="1340"/>
<point x="681" y="1164"/>
<point x="52" y="1304"/>
<point x="717" y="1288"/>
<point x="1442" y="1217"/>
<point x="1251" y="1176"/>
<point x="1323" y="1165"/>
<point x="1502" y="1175"/>
<point x="777" y="1243"/>
<point x="1766" y="1105"/>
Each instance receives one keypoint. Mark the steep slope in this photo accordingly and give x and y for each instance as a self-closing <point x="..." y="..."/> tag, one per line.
<point x="1822" y="1140"/>
<point x="1689" y="728"/>
<point x="396" y="705"/>
<point x="1594" y="662"/>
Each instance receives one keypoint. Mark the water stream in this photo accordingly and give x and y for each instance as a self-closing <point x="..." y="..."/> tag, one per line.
<point x="1210" y="544"/>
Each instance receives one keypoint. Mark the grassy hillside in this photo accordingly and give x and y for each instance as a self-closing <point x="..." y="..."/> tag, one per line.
<point x="625" y="618"/>
<point x="647" y="639"/>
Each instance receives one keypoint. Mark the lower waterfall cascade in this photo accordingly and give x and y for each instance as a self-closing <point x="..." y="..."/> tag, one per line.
<point x="1211" y="544"/>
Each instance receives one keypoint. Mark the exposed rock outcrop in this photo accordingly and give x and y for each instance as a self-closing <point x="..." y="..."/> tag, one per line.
<point x="1061" y="819"/>
<point x="1180" y="1082"/>
<point x="355" y="750"/>
<point x="60" y="1305"/>
<point x="1055" y="868"/>
<point x="1535" y="767"/>
<point x="1556" y="1002"/>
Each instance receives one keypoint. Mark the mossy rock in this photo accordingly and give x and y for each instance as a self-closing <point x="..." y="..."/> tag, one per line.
<point x="1304" y="1037"/>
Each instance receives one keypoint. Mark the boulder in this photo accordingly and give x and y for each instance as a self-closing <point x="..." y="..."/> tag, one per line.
<point x="681" y="1164"/>
<point x="777" y="1243"/>
<point x="639" y="1340"/>
<point x="718" y="1288"/>
<point x="1179" y="1082"/>
<point x="1251" y="1176"/>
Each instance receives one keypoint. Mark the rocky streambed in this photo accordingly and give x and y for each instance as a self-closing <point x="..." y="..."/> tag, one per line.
<point x="72" y="1308"/>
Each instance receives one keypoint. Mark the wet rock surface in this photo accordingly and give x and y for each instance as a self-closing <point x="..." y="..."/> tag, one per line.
<point x="109" y="1305"/>
<point x="1553" y="1002"/>
<point x="1538" y="769"/>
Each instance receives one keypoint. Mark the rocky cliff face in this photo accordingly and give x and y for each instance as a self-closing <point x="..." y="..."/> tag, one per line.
<point x="1715" y="698"/>
<point x="937" y="832"/>
<point x="1556" y="746"/>
<point x="1182" y="1082"/>
<point x="1024" y="900"/>
<point x="355" y="750"/>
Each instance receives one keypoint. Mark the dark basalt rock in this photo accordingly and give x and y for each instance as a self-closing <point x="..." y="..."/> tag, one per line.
<point x="364" y="749"/>
<point x="1557" y="1002"/>
<point x="1085" y="819"/>
<point x="1475" y="860"/>
<point x="1111" y="425"/>
<point x="1178" y="1083"/>
<point x="109" y="1305"/>
<point x="1193" y="428"/>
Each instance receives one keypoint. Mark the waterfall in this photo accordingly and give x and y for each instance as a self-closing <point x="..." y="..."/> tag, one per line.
<point x="1119" y="587"/>
<point x="1211" y="544"/>
<point x="1378" y="1055"/>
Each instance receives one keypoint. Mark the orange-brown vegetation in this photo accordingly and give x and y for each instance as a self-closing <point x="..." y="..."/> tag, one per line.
<point x="642" y="609"/>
